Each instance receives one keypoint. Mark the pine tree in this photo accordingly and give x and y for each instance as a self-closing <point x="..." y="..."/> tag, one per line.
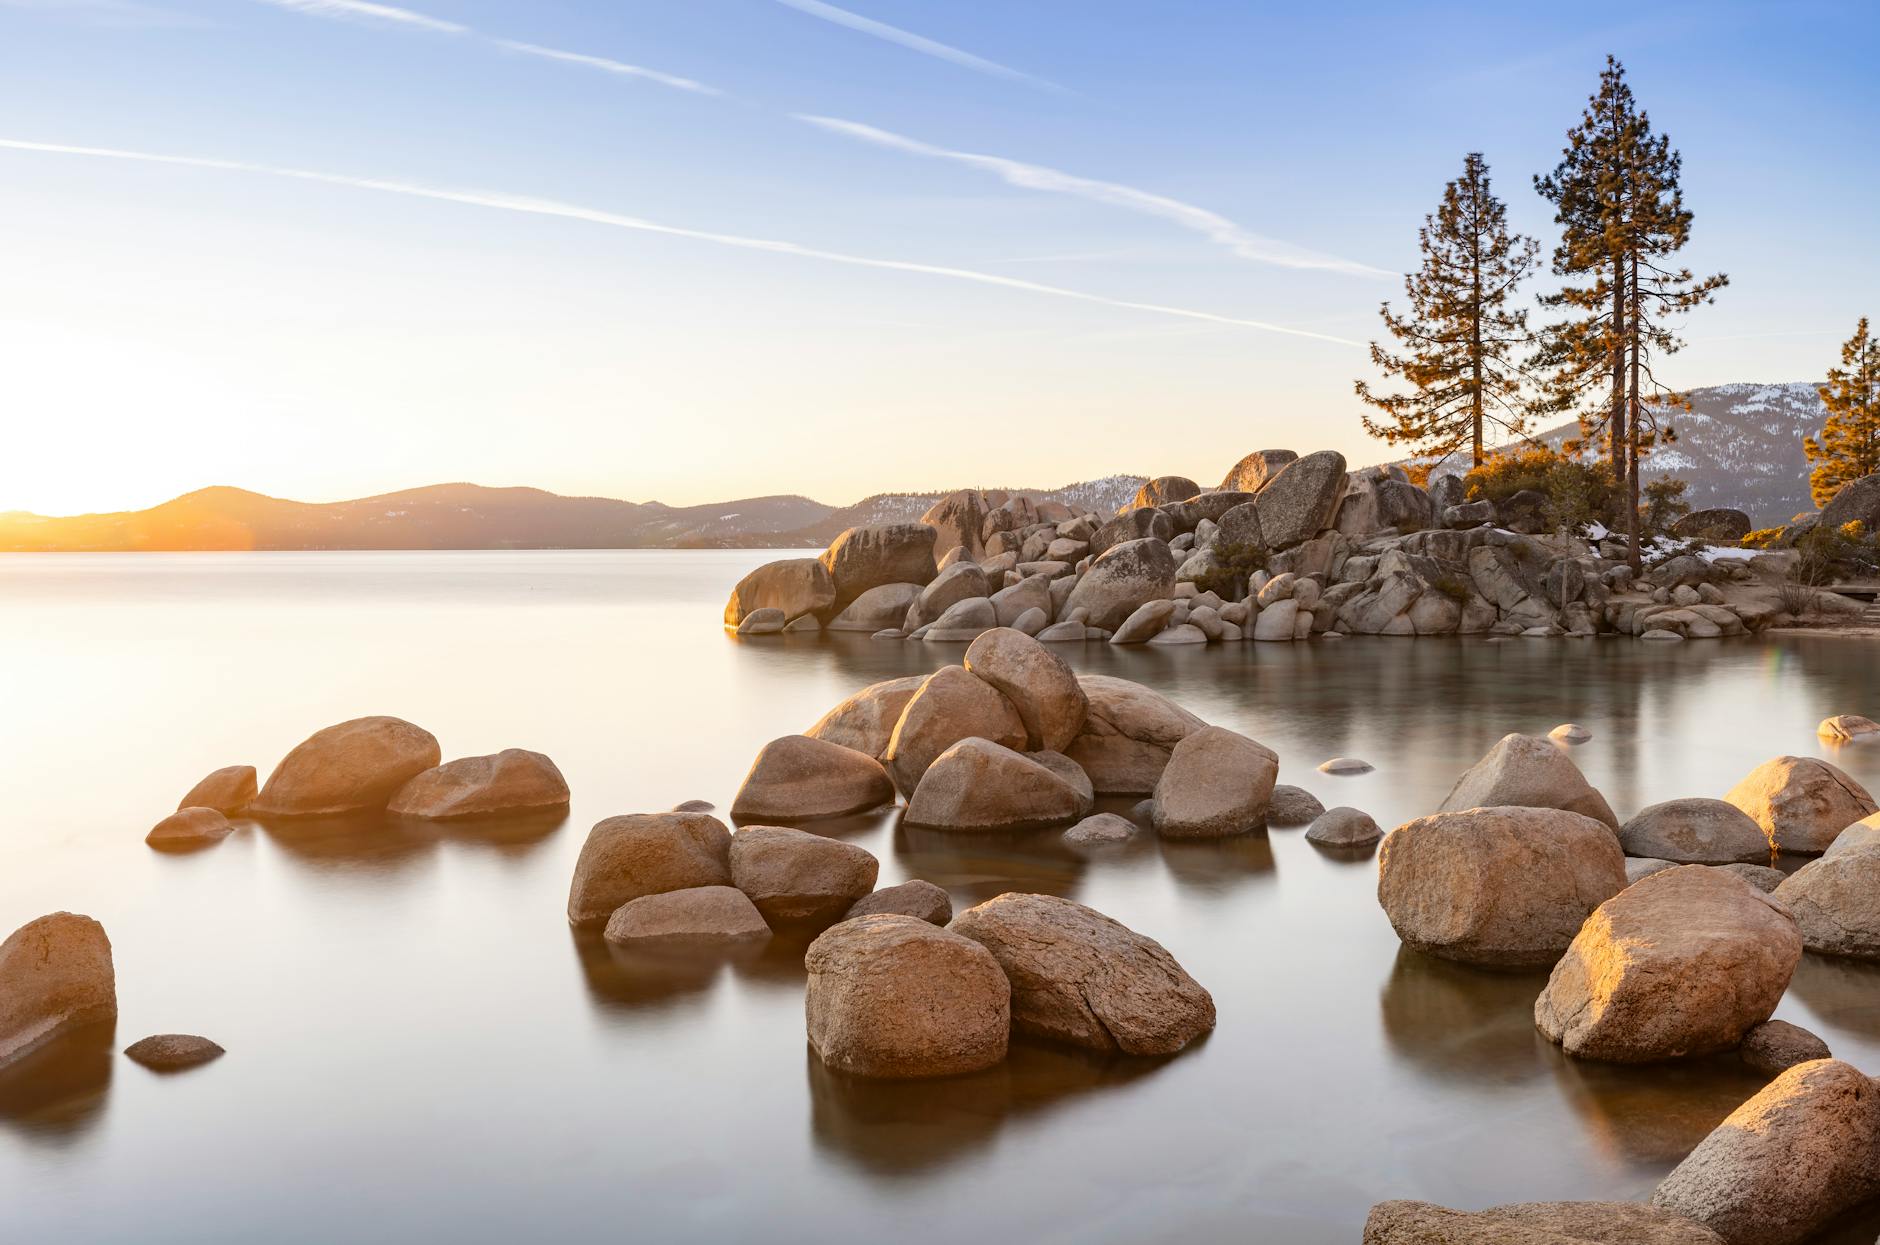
<point x="1463" y="342"/>
<point x="1849" y="447"/>
<point x="1617" y="198"/>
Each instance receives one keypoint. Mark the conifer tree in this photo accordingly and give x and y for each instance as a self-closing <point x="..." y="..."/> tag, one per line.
<point x="1617" y="198"/>
<point x="1463" y="342"/>
<point x="1849" y="446"/>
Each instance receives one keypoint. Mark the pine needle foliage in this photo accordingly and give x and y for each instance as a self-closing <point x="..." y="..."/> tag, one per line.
<point x="1849" y="445"/>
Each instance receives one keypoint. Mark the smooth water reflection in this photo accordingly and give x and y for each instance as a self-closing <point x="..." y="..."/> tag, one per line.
<point x="419" y="1047"/>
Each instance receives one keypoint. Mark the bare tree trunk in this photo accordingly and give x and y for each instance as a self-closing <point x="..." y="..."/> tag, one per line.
<point x="1475" y="338"/>
<point x="1632" y="438"/>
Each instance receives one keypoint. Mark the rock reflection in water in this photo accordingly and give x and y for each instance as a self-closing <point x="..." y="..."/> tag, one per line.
<point x="1454" y="1022"/>
<point x="1652" y="1115"/>
<point x="1843" y="993"/>
<point x="381" y="843"/>
<point x="57" y="1094"/>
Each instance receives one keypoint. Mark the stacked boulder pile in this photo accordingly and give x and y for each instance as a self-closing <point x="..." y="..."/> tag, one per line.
<point x="1668" y="936"/>
<point x="1286" y="548"/>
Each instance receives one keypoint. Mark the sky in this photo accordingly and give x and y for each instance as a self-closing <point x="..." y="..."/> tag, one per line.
<point x="695" y="250"/>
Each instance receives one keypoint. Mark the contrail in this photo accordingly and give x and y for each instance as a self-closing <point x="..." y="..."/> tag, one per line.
<point x="573" y="211"/>
<point x="917" y="43"/>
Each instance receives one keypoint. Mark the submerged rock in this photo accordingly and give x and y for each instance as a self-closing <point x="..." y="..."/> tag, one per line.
<point x="1847" y="728"/>
<point x="1101" y="830"/>
<point x="56" y="975"/>
<point x="646" y="854"/>
<point x="914" y="898"/>
<point x="1344" y="766"/>
<point x="896" y="997"/>
<point x="1570" y="733"/>
<point x="1529" y="773"/>
<point x="796" y="877"/>
<point x="1801" y="803"/>
<point x="171" y="1052"/>
<point x="511" y="781"/>
<point x="189" y="827"/>
<point x="1775" y="1046"/>
<point x="1532" y="1223"/>
<point x="1292" y="806"/>
<point x="1695" y="831"/>
<point x="353" y="767"/>
<point x="228" y="791"/>
<point x="796" y="778"/>
<point x="694" y="916"/>
<point x="1081" y="978"/>
<point x="1344" y="827"/>
<point x="1216" y="783"/>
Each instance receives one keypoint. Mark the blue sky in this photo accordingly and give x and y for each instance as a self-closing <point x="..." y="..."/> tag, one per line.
<point x="1213" y="195"/>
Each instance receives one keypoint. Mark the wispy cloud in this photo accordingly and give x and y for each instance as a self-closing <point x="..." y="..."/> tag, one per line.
<point x="504" y="202"/>
<point x="369" y="12"/>
<point x="918" y="43"/>
<point x="112" y="13"/>
<point x="1211" y="225"/>
<point x="607" y="65"/>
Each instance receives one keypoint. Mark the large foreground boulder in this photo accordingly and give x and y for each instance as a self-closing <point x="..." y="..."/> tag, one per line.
<point x="895" y="996"/>
<point x="1530" y="773"/>
<point x="865" y="558"/>
<point x="1301" y="501"/>
<point x="980" y="785"/>
<point x="646" y="854"/>
<point x="865" y="721"/>
<point x="353" y="767"/>
<point x="950" y="705"/>
<point x="1801" y="803"/>
<point x="228" y="791"/>
<point x="796" y="586"/>
<point x="1836" y="902"/>
<point x="1532" y="1223"/>
<point x="1036" y="681"/>
<point x="55" y="976"/>
<point x="1501" y="887"/>
<point x="1129" y="734"/>
<point x="796" y="778"/>
<point x="794" y="877"/>
<point x="1216" y="783"/>
<point x="1695" y="831"/>
<point x="1682" y="963"/>
<point x="696" y="916"/>
<point x="514" y="780"/>
<point x="1121" y="580"/>
<point x="1785" y="1163"/>
<point x="1081" y="978"/>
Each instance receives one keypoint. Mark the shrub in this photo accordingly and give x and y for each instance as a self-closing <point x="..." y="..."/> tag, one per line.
<point x="1577" y="491"/>
<point x="1762" y="538"/>
<point x="1664" y="506"/>
<point x="1234" y="563"/>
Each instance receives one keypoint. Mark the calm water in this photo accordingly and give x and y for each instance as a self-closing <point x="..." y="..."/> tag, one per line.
<point x="418" y="1047"/>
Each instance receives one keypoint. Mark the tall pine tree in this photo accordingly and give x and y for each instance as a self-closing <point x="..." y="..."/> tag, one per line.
<point x="1617" y="198"/>
<point x="1463" y="342"/>
<point x="1849" y="446"/>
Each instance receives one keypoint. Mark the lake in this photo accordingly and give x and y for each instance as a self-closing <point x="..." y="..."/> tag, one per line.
<point x="420" y="1048"/>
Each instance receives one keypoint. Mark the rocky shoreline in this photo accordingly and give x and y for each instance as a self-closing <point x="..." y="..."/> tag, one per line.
<point x="1287" y="548"/>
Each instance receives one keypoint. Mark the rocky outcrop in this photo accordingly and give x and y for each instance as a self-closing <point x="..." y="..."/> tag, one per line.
<point x="863" y="559"/>
<point x="865" y="721"/>
<point x="1216" y="783"/>
<point x="511" y="781"/>
<point x="1121" y="579"/>
<point x="189" y="827"/>
<point x="1128" y="735"/>
<point x="1685" y="962"/>
<point x="1836" y="902"/>
<point x="914" y="898"/>
<point x="796" y="778"/>
<point x="1801" y="803"/>
<point x="949" y="706"/>
<point x="1529" y="773"/>
<point x="646" y="854"/>
<point x="897" y="997"/>
<point x="1786" y="1163"/>
<point x="1502" y="887"/>
<point x="1036" y="681"/>
<point x="1532" y="1223"/>
<point x="356" y="766"/>
<point x="796" y="586"/>
<point x="172" y="1052"/>
<point x="1695" y="831"/>
<point x="696" y="916"/>
<point x="55" y="976"/>
<point x="977" y="785"/>
<point x="798" y="878"/>
<point x="228" y="791"/>
<point x="1080" y="978"/>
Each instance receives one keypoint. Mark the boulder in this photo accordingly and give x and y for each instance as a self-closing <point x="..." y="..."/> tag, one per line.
<point x="1847" y="728"/>
<point x="1277" y="622"/>
<point x="1859" y="837"/>
<point x="511" y="781"/>
<point x="1164" y="491"/>
<point x="695" y="916"/>
<point x="1100" y="830"/>
<point x="1503" y="887"/>
<point x="228" y="791"/>
<point x="353" y="767"/>
<point x="1121" y="579"/>
<point x="797" y="586"/>
<point x="189" y="827"/>
<point x="865" y="721"/>
<point x="693" y="806"/>
<point x="877" y="609"/>
<point x="1036" y="681"/>
<point x="793" y="876"/>
<point x="1720" y="523"/>
<point x="1145" y="623"/>
<point x="958" y="519"/>
<point x="172" y="1052"/>
<point x="1836" y="903"/>
<point x="1064" y="633"/>
<point x="55" y="976"/>
<point x="1801" y="803"/>
<point x="915" y="898"/>
<point x="1241" y="527"/>
<point x="1532" y="1223"/>
<point x="1071" y="774"/>
<point x="796" y="778"/>
<point x="1216" y="783"/>
<point x="1180" y="633"/>
<point x="1128" y="735"/>
<point x="1787" y="1162"/>
<point x="1198" y="512"/>
<point x="646" y="854"/>
<point x="1081" y="978"/>
<point x="896" y="997"/>
<point x="1857" y="502"/>
<point x="1256" y="470"/>
<point x="1031" y="593"/>
<point x="1638" y="868"/>
<point x="766" y="621"/>
<point x="1775" y="1046"/>
<point x="1129" y="526"/>
<point x="950" y="705"/>
<point x="1344" y="827"/>
<point x="1529" y="773"/>
<point x="979" y="785"/>
<point x="1762" y="877"/>
<point x="1569" y="733"/>
<point x="1682" y="963"/>
<point x="963" y="581"/>
<point x="1293" y="806"/>
<point x="1695" y="831"/>
<point x="1302" y="499"/>
<point x="862" y="559"/>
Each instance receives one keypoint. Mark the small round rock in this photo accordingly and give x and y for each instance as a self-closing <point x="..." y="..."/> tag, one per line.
<point x="1343" y="827"/>
<point x="189" y="827"/>
<point x="1762" y="877"/>
<point x="694" y="806"/>
<point x="1775" y="1046"/>
<point x="171" y="1052"/>
<point x="1293" y="806"/>
<point x="1570" y="733"/>
<point x="1346" y="765"/>
<point x="914" y="898"/>
<point x="1101" y="830"/>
